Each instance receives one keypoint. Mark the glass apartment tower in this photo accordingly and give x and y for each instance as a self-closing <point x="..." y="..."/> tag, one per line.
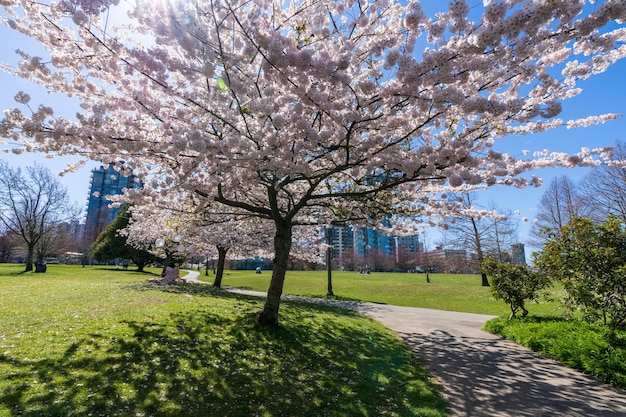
<point x="105" y="182"/>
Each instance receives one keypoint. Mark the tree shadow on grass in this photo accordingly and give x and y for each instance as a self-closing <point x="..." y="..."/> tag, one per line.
<point x="16" y="273"/>
<point x="339" y="298"/>
<point x="343" y="308"/>
<point x="125" y="270"/>
<point x="191" y="289"/>
<point x="204" y="362"/>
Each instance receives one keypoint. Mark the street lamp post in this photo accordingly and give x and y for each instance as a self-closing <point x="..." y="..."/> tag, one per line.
<point x="328" y="262"/>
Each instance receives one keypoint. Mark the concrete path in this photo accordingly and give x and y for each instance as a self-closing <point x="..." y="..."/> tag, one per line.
<point x="483" y="375"/>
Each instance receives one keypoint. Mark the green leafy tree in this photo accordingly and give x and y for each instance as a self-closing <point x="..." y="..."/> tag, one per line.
<point x="111" y="245"/>
<point x="590" y="260"/>
<point x="515" y="284"/>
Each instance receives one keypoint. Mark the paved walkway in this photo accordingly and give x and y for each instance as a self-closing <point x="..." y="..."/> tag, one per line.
<point x="483" y="375"/>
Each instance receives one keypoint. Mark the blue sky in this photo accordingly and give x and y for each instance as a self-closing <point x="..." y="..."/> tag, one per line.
<point x="605" y="93"/>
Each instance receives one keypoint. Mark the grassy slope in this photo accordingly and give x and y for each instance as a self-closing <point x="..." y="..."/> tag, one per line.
<point x="90" y="341"/>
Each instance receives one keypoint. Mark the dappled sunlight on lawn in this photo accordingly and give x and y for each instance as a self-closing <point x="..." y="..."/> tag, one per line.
<point x="191" y="349"/>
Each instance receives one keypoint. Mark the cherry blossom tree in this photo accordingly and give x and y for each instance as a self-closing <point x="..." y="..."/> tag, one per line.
<point x="165" y="230"/>
<point x="230" y="237"/>
<point x="311" y="111"/>
<point x="177" y="227"/>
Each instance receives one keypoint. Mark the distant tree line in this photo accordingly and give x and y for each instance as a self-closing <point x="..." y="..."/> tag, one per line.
<point x="36" y="219"/>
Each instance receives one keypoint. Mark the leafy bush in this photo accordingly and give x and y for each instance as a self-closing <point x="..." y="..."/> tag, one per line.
<point x="589" y="259"/>
<point x="515" y="284"/>
<point x="590" y="348"/>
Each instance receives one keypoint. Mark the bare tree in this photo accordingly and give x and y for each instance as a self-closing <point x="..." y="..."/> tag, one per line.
<point x="561" y="202"/>
<point x="502" y="234"/>
<point x="47" y="243"/>
<point x="57" y="240"/>
<point x="480" y="234"/>
<point x="405" y="259"/>
<point x="31" y="204"/>
<point x="376" y="259"/>
<point x="604" y="189"/>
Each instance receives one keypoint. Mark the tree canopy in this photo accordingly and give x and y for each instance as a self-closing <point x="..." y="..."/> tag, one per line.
<point x="310" y="112"/>
<point x="515" y="284"/>
<point x="111" y="244"/>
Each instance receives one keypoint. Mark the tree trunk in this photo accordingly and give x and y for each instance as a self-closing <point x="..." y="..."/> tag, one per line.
<point x="29" y="258"/>
<point x="479" y="253"/>
<point x="221" y="261"/>
<point x="282" y="247"/>
<point x="485" y="280"/>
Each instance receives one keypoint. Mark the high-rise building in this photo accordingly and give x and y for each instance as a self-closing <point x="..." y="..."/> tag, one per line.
<point x="410" y="243"/>
<point x="518" y="254"/>
<point x="367" y="239"/>
<point x="105" y="182"/>
<point x="341" y="241"/>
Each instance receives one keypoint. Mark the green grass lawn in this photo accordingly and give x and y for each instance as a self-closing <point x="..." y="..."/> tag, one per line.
<point x="103" y="342"/>
<point x="586" y="347"/>
<point x="444" y="292"/>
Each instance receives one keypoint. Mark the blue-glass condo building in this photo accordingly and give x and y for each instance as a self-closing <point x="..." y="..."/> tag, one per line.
<point x="105" y="182"/>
